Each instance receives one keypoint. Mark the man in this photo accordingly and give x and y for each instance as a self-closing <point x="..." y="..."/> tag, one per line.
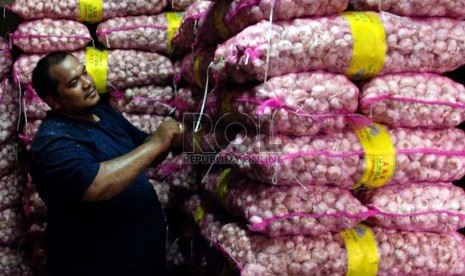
<point x="88" y="164"/>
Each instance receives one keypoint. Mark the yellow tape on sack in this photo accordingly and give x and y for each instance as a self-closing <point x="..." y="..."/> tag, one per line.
<point x="362" y="254"/>
<point x="97" y="66"/>
<point x="197" y="62"/>
<point x="370" y="47"/>
<point x="174" y="22"/>
<point x="90" y="10"/>
<point x="222" y="186"/>
<point x="199" y="214"/>
<point x="226" y="103"/>
<point x="219" y="13"/>
<point x="380" y="155"/>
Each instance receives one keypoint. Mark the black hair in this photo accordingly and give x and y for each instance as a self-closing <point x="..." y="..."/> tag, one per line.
<point x="42" y="82"/>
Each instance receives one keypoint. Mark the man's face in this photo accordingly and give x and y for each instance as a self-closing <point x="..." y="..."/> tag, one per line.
<point x="76" y="90"/>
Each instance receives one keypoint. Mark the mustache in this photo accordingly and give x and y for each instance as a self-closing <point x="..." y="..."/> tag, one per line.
<point x="87" y="95"/>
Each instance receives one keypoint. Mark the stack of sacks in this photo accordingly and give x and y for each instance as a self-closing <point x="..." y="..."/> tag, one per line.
<point x="78" y="10"/>
<point x="418" y="207"/>
<point x="426" y="102"/>
<point x="11" y="184"/>
<point x="224" y="19"/>
<point x="294" y="104"/>
<point x="12" y="256"/>
<point x="189" y="253"/>
<point x="285" y="210"/>
<point x="402" y="45"/>
<point x="300" y="126"/>
<point x="179" y="175"/>
<point x="412" y="155"/>
<point x="6" y="59"/>
<point x="214" y="22"/>
<point x="145" y="106"/>
<point x="418" y="101"/>
<point x="12" y="224"/>
<point x="361" y="250"/>
<point x="9" y="96"/>
<point x="186" y="101"/>
<point x="416" y="8"/>
<point x="299" y="104"/>
<point x="172" y="177"/>
<point x="188" y="97"/>
<point x="414" y="100"/>
<point x="47" y="35"/>
<point x="152" y="33"/>
<point x="9" y="110"/>
<point x="148" y="32"/>
<point x="185" y="37"/>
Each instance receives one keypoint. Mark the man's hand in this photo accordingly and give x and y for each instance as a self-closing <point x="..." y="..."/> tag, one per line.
<point x="117" y="174"/>
<point x="166" y="133"/>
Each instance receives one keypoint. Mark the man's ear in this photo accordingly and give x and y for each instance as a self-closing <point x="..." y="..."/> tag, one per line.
<point x="52" y="101"/>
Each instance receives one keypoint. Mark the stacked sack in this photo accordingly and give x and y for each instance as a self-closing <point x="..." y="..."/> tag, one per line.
<point x="433" y="104"/>
<point x="300" y="104"/>
<point x="12" y="229"/>
<point x="379" y="251"/>
<point x="303" y="137"/>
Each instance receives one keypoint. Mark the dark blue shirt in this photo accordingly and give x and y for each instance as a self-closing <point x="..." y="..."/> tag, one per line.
<point x="121" y="236"/>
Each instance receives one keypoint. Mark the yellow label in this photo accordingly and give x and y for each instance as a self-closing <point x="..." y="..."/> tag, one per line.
<point x="222" y="186"/>
<point x="197" y="62"/>
<point x="196" y="142"/>
<point x="380" y="155"/>
<point x="226" y="103"/>
<point x="362" y="254"/>
<point x="369" y="52"/>
<point x="199" y="214"/>
<point x="90" y="10"/>
<point x="97" y="66"/>
<point x="174" y="22"/>
<point x="219" y="13"/>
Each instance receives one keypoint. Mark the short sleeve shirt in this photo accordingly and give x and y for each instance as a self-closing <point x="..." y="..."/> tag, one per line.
<point x="64" y="160"/>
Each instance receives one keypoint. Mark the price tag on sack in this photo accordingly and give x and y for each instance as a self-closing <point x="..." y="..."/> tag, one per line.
<point x="380" y="155"/>
<point x="222" y="186"/>
<point x="90" y="11"/>
<point x="97" y="66"/>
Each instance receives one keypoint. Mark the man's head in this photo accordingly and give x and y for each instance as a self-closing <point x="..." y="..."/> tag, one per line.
<point x="62" y="81"/>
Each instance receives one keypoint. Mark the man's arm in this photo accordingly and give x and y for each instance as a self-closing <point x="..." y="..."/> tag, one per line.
<point x="117" y="174"/>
